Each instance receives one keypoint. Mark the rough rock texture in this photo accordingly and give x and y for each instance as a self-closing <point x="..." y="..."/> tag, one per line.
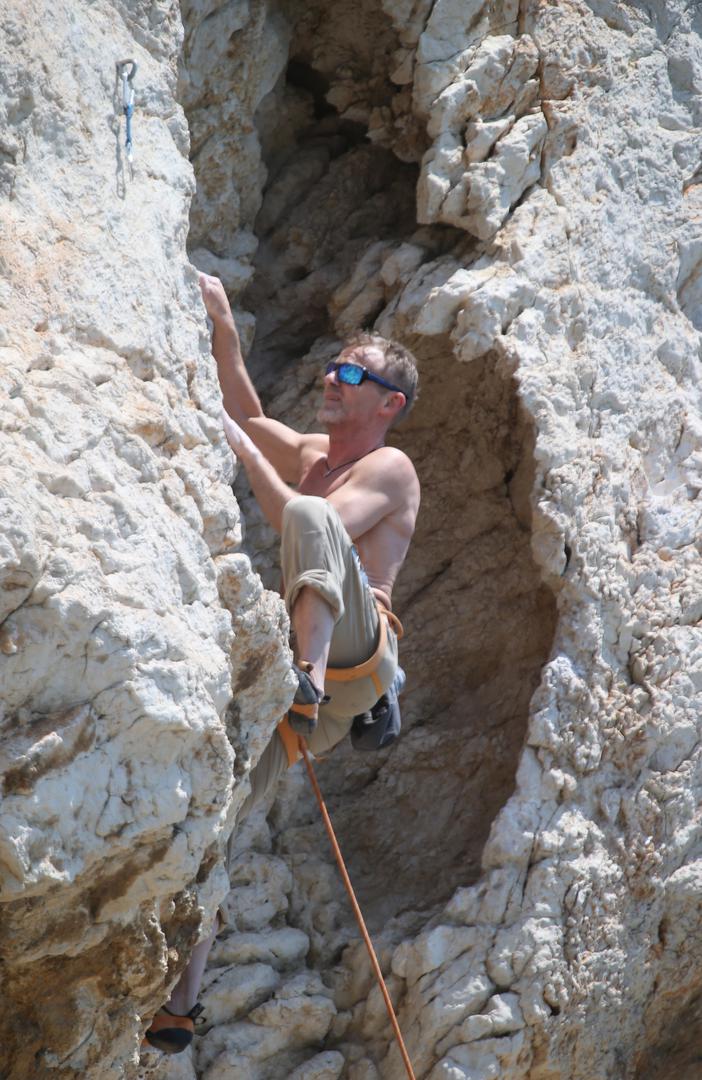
<point x="126" y="612"/>
<point x="514" y="191"/>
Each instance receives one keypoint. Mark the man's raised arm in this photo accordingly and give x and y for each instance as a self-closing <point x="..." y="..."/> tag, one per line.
<point x="238" y="393"/>
<point x="280" y="444"/>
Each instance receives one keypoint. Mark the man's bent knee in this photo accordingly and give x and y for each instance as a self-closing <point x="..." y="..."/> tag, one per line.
<point x="305" y="512"/>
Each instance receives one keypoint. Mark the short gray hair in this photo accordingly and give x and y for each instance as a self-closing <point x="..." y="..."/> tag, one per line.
<point x="400" y="365"/>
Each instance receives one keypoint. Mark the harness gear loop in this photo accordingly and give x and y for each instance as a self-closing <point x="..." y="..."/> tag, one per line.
<point x="356" y="909"/>
<point x="127" y="78"/>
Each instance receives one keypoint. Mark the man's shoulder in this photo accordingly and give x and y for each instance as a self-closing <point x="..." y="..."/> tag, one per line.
<point x="313" y="444"/>
<point x="392" y="464"/>
<point x="392" y="455"/>
<point x="316" y="439"/>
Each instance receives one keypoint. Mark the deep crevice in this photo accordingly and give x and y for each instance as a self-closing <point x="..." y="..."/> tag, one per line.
<point x="412" y="821"/>
<point x="479" y="625"/>
<point x="479" y="622"/>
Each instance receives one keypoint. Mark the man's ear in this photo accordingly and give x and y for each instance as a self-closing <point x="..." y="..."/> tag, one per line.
<point x="394" y="403"/>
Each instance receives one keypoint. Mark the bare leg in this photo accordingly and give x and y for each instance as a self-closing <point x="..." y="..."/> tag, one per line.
<point x="186" y="991"/>
<point x="313" y="623"/>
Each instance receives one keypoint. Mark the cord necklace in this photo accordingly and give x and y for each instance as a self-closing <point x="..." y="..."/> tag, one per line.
<point x="352" y="461"/>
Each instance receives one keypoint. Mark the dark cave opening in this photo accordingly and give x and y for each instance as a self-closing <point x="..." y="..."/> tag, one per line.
<point x="479" y="621"/>
<point x="326" y="200"/>
<point x="301" y="74"/>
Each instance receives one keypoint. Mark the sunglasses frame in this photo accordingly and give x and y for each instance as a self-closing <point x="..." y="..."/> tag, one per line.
<point x="336" y="366"/>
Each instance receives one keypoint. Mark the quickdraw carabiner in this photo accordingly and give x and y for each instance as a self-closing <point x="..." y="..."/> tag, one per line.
<point x="127" y="70"/>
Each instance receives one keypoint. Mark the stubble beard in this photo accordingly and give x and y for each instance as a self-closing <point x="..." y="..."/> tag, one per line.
<point x="330" y="413"/>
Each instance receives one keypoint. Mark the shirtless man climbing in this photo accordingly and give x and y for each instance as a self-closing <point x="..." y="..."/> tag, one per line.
<point x="361" y="497"/>
<point x="345" y="529"/>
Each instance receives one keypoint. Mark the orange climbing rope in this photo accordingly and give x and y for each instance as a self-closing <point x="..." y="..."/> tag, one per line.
<point x="356" y="910"/>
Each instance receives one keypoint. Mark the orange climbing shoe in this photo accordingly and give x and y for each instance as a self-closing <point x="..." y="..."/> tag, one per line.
<point x="171" y="1033"/>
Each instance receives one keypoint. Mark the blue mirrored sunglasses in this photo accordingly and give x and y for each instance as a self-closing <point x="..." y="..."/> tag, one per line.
<point x="354" y="375"/>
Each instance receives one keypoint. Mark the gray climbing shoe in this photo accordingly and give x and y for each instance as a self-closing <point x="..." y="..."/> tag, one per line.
<point x="303" y="713"/>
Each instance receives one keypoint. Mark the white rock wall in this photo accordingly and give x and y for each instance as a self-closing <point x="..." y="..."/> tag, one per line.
<point x="126" y="612"/>
<point x="558" y="195"/>
<point x="526" y="217"/>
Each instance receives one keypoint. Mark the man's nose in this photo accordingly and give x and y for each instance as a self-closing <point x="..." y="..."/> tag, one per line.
<point x="332" y="377"/>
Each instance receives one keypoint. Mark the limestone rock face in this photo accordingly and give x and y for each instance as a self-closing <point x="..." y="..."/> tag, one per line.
<point x="512" y="190"/>
<point x="127" y="616"/>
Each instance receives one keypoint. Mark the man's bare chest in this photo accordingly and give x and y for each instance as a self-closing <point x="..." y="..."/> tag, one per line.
<point x="317" y="482"/>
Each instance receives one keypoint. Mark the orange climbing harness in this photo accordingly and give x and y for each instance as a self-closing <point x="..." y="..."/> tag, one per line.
<point x="356" y="909"/>
<point x="368" y="669"/>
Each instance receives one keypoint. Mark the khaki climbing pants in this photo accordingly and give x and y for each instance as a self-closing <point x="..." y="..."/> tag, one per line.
<point x="317" y="552"/>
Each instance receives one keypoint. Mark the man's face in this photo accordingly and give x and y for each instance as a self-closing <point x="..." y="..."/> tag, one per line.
<point x="342" y="403"/>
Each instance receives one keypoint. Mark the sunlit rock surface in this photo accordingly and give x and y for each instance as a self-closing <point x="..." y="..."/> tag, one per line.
<point x="514" y="192"/>
<point x="127" y="616"/>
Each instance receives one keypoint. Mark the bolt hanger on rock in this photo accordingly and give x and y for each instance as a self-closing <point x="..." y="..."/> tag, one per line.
<point x="126" y="70"/>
